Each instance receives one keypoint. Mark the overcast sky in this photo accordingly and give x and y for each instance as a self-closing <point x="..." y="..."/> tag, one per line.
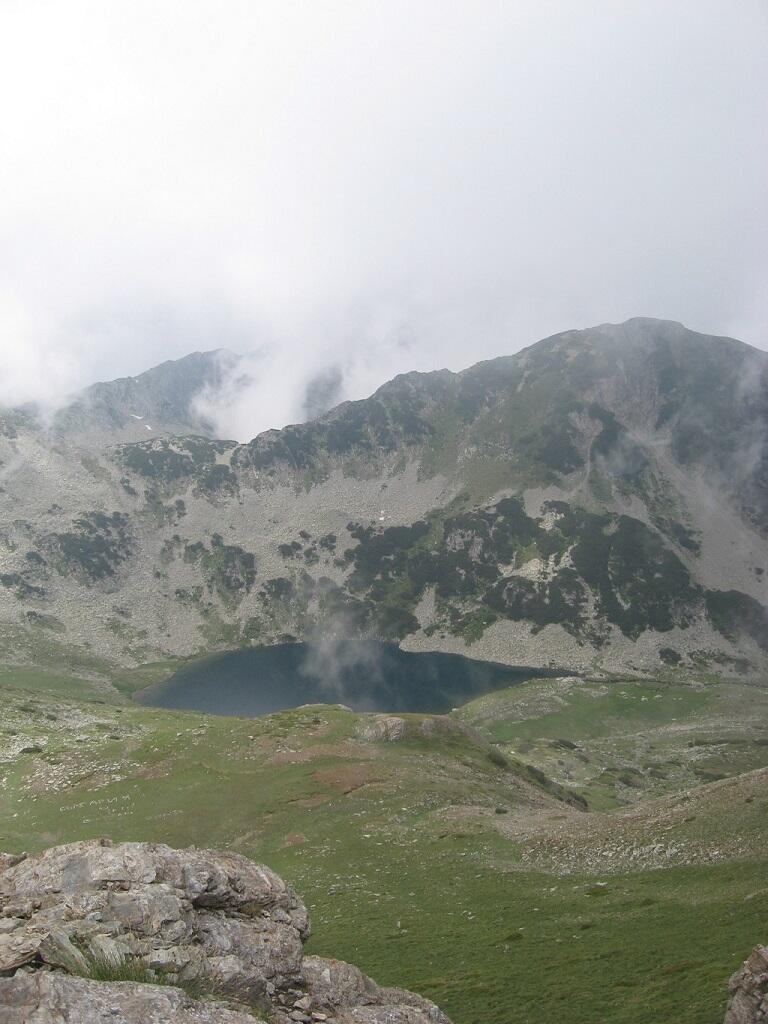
<point x="371" y="186"/>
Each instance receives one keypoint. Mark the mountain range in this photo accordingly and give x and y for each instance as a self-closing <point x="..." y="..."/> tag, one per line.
<point x="595" y="502"/>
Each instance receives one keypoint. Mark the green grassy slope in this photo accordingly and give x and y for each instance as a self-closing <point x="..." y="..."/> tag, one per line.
<point x="425" y="860"/>
<point x="617" y="741"/>
<point x="50" y="663"/>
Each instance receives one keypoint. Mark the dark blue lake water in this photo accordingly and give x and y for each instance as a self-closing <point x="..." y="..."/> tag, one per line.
<point x="366" y="675"/>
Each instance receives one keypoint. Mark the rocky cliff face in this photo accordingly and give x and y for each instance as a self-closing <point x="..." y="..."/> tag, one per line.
<point x="599" y="499"/>
<point x="138" y="933"/>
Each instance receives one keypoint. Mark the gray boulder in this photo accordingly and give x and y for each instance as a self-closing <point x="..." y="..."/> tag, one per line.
<point x="46" y="997"/>
<point x="186" y="914"/>
<point x="348" y="996"/>
<point x="748" y="987"/>
<point x="208" y="921"/>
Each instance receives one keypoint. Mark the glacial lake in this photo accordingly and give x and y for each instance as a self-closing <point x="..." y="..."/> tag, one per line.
<point x="365" y="675"/>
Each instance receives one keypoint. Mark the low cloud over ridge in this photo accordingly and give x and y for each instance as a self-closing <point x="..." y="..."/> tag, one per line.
<point x="346" y="192"/>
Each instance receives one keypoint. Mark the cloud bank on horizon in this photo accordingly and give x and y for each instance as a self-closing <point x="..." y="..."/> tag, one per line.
<point x="350" y="190"/>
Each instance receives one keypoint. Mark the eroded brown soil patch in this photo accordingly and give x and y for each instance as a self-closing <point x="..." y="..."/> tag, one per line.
<point x="346" y="778"/>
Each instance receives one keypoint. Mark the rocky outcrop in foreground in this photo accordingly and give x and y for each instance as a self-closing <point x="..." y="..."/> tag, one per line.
<point x="748" y="987"/>
<point x="184" y="936"/>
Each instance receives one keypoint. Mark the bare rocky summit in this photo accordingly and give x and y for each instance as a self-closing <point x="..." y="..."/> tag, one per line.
<point x="748" y="1003"/>
<point x="200" y="935"/>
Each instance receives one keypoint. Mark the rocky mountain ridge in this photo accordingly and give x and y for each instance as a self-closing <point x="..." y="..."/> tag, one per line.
<point x="598" y="500"/>
<point x="161" y="402"/>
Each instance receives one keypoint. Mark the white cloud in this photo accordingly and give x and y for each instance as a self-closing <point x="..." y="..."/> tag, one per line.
<point x="34" y="366"/>
<point x="376" y="186"/>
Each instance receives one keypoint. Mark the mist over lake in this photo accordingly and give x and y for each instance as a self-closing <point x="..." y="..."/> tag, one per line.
<point x="365" y="675"/>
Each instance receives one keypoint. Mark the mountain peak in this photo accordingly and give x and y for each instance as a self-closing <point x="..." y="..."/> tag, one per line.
<point x="159" y="401"/>
<point x="606" y="486"/>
